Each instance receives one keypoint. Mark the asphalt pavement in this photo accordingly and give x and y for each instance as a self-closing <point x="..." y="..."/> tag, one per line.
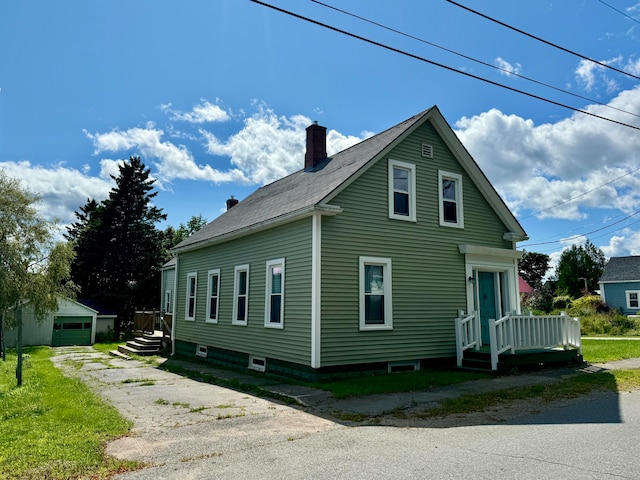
<point x="186" y="428"/>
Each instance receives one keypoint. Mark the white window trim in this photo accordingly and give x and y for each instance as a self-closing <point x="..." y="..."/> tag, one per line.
<point x="195" y="296"/>
<point x="627" y="294"/>
<point x="237" y="270"/>
<point x="412" y="190"/>
<point x="388" y="304"/>
<point x="267" y="296"/>
<point x="459" y="202"/>
<point x="210" y="274"/>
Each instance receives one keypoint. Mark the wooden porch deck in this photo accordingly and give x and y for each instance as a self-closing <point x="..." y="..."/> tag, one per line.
<point x="481" y="359"/>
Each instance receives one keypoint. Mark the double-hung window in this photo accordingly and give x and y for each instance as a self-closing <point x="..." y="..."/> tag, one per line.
<point x="240" y="295"/>
<point x="274" y="295"/>
<point x="213" y="289"/>
<point x="402" y="190"/>
<point x="168" y="301"/>
<point x="633" y="299"/>
<point x="192" y="287"/>
<point x="376" y="311"/>
<point x="450" y="198"/>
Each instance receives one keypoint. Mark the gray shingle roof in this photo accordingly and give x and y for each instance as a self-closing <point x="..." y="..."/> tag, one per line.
<point x="620" y="269"/>
<point x="299" y="191"/>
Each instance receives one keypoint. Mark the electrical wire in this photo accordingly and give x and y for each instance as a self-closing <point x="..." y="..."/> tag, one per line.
<point x="619" y="11"/>
<point x="467" y="57"/>
<point x="446" y="67"/>
<point x="582" y="194"/>
<point x="506" y="25"/>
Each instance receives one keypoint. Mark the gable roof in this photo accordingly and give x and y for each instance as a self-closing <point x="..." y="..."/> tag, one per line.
<point x="621" y="269"/>
<point x="308" y="190"/>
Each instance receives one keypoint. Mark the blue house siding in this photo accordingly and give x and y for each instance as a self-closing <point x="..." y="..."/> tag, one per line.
<point x="616" y="297"/>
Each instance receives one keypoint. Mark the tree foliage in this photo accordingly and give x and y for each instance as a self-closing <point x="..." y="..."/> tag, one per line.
<point x="173" y="236"/>
<point x="533" y="267"/>
<point x="119" y="249"/>
<point x="34" y="268"/>
<point x="578" y="265"/>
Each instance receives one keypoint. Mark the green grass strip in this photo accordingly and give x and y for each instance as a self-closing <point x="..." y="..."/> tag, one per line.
<point x="572" y="387"/>
<point x="600" y="351"/>
<point x="53" y="426"/>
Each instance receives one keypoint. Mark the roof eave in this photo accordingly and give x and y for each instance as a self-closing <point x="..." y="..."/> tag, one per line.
<point x="328" y="210"/>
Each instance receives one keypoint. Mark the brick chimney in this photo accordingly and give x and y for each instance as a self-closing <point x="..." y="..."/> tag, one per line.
<point x="316" y="145"/>
<point x="232" y="202"/>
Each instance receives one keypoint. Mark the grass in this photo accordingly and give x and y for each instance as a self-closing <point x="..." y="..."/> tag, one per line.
<point x="600" y="351"/>
<point x="397" y="382"/>
<point x="53" y="426"/>
<point x="571" y="387"/>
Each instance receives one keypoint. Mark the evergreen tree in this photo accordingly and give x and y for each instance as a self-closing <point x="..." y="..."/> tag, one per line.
<point x="119" y="249"/>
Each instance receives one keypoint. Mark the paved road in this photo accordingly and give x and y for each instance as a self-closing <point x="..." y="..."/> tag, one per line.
<point x="191" y="430"/>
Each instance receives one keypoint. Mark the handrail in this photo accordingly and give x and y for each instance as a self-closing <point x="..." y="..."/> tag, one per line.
<point x="467" y="334"/>
<point x="522" y="332"/>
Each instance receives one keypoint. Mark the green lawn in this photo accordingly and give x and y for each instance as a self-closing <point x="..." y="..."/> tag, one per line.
<point x="600" y="351"/>
<point x="53" y="426"/>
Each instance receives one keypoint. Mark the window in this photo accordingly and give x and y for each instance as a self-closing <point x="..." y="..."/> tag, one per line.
<point x="375" y="294"/>
<point x="213" y="287"/>
<point x="450" y="197"/>
<point x="274" y="295"/>
<point x="402" y="191"/>
<point x="633" y="298"/>
<point x="241" y="295"/>
<point x="192" y="285"/>
<point x="168" y="302"/>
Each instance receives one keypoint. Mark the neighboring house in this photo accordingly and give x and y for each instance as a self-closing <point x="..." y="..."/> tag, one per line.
<point x="357" y="262"/>
<point x="620" y="284"/>
<point x="71" y="324"/>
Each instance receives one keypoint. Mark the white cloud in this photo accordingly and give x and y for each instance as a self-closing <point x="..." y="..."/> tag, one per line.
<point x="171" y="161"/>
<point x="205" y="112"/>
<point x="63" y="190"/>
<point x="507" y="68"/>
<point x="538" y="167"/>
<point x="270" y="146"/>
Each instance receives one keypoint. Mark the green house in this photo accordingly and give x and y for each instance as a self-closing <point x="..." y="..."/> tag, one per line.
<point x="357" y="262"/>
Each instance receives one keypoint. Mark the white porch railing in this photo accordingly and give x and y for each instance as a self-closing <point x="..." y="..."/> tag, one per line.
<point x="517" y="332"/>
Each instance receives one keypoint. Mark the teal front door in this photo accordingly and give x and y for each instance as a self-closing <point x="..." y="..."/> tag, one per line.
<point x="487" y="299"/>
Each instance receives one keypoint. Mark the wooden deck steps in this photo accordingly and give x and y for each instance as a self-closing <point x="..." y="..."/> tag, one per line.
<point x="147" y="344"/>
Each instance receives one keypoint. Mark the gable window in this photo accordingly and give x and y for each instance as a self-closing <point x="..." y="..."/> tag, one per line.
<point x="450" y="198"/>
<point x="633" y="298"/>
<point x="192" y="286"/>
<point x="402" y="191"/>
<point x="376" y="312"/>
<point x="213" y="287"/>
<point x="240" y="295"/>
<point x="274" y="295"/>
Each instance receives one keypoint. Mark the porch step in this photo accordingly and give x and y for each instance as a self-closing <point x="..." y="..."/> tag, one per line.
<point x="146" y="345"/>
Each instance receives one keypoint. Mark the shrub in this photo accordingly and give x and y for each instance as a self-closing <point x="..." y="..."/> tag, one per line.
<point x="587" y="305"/>
<point x="561" y="302"/>
<point x="612" y="323"/>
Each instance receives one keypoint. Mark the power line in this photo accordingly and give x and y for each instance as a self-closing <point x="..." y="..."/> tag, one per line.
<point x="467" y="57"/>
<point x="582" y="194"/>
<point x="446" y="67"/>
<point x="619" y="11"/>
<point x="584" y="57"/>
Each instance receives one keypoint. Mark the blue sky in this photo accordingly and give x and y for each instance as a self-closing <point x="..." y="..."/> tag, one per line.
<point x="215" y="95"/>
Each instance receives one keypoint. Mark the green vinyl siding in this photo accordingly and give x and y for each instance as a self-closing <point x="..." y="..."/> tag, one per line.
<point x="292" y="343"/>
<point x="429" y="284"/>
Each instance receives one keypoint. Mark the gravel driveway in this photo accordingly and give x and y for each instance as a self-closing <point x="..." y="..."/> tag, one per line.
<point x="177" y="420"/>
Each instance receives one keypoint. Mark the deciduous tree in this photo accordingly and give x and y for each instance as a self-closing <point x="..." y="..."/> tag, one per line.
<point x="580" y="267"/>
<point x="533" y="267"/>
<point x="33" y="268"/>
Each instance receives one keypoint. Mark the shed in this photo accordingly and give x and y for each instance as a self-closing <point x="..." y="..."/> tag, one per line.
<point x="71" y="324"/>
